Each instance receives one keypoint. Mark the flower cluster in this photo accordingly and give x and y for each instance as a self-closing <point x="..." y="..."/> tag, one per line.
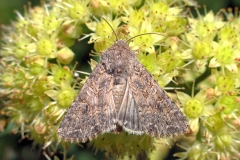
<point x="213" y="113"/>
<point x="38" y="83"/>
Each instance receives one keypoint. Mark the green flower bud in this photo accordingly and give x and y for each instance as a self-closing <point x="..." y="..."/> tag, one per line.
<point x="100" y="46"/>
<point x="223" y="140"/>
<point x="63" y="74"/>
<point x="151" y="62"/>
<point x="36" y="69"/>
<point x="65" y="98"/>
<point x="204" y="28"/>
<point x="215" y="122"/>
<point x="51" y="22"/>
<point x="52" y="111"/>
<point x="72" y="30"/>
<point x="45" y="47"/>
<point x="78" y="11"/>
<point x="65" y="55"/>
<point x="198" y="152"/>
<point x="193" y="108"/>
<point x="160" y="8"/>
<point x="135" y="17"/>
<point x="32" y="30"/>
<point x="7" y="79"/>
<point x="41" y="85"/>
<point x="36" y="65"/>
<point x="228" y="104"/>
<point x="228" y="33"/>
<point x="39" y="132"/>
<point x="63" y="41"/>
<point x="168" y="61"/>
<point x="20" y="53"/>
<point x="20" y="78"/>
<point x="225" y="84"/>
<point x="103" y="29"/>
<point x="201" y="50"/>
<point x="225" y="55"/>
<point x="195" y="154"/>
<point x="36" y="104"/>
<point x="40" y="127"/>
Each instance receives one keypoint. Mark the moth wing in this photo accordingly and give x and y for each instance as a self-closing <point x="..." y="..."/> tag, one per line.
<point x="92" y="112"/>
<point x="146" y="108"/>
<point x="128" y="115"/>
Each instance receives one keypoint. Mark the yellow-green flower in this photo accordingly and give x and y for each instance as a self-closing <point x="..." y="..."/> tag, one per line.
<point x="195" y="108"/>
<point x="61" y="73"/>
<point x="205" y="26"/>
<point x="104" y="35"/>
<point x="225" y="82"/>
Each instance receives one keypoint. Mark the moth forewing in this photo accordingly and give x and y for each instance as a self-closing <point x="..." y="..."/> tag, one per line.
<point x="120" y="92"/>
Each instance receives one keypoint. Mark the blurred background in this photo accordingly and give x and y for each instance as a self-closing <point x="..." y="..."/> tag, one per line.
<point x="11" y="146"/>
<point x="7" y="7"/>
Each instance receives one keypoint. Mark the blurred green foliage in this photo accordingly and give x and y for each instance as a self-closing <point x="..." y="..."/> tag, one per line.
<point x="7" y="9"/>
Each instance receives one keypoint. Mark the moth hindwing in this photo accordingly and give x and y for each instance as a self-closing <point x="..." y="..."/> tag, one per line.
<point x="121" y="92"/>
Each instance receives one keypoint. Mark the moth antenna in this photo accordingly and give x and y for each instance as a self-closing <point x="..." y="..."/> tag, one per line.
<point x="111" y="28"/>
<point x="146" y="34"/>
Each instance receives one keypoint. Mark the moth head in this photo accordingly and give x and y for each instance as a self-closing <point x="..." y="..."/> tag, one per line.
<point x="117" y="68"/>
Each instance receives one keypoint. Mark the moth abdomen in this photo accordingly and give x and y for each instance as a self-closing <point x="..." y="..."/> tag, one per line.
<point x="118" y="89"/>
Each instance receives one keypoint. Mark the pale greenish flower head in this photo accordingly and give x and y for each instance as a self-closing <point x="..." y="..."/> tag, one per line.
<point x="193" y="108"/>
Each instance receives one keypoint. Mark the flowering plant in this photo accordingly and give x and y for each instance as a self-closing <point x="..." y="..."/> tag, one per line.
<point x="38" y="81"/>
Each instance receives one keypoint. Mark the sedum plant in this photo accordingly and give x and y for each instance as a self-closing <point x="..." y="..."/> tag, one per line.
<point x="39" y="79"/>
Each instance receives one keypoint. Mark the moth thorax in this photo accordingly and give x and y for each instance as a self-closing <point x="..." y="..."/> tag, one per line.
<point x="119" y="89"/>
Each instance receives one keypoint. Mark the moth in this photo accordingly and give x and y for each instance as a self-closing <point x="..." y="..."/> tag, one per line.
<point x="121" y="94"/>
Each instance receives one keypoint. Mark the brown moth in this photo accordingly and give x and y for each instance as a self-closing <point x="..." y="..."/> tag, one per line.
<point x="121" y="94"/>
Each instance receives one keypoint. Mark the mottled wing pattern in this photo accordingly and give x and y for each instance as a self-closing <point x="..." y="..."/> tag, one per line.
<point x="121" y="92"/>
<point x="146" y="108"/>
<point x="92" y="112"/>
